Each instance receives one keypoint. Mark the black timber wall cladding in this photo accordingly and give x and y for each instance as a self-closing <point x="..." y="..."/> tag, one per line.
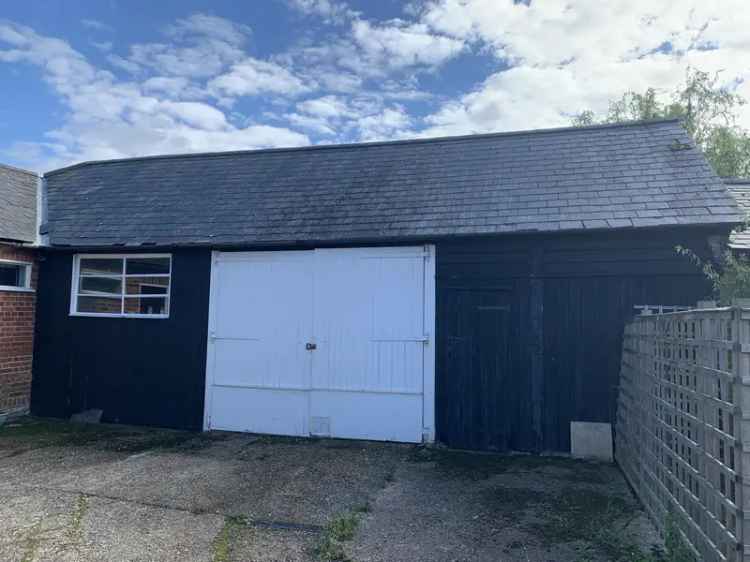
<point x="529" y="329"/>
<point x="138" y="371"/>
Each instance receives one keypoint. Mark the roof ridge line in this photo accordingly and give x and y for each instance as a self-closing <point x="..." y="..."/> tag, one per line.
<point x="16" y="169"/>
<point x="427" y="140"/>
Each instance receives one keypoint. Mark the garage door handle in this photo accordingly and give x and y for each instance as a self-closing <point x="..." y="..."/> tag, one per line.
<point x="310" y="346"/>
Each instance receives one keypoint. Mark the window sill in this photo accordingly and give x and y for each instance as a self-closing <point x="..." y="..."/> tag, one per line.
<point x="124" y="316"/>
<point x="9" y="289"/>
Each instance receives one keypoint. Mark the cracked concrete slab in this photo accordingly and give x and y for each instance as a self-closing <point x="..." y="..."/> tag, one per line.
<point x="115" y="530"/>
<point x="259" y="544"/>
<point x="35" y="525"/>
<point x="446" y="506"/>
<point x="126" y="494"/>
<point x="301" y="481"/>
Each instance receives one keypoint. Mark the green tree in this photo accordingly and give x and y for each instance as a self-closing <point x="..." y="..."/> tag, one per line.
<point x="708" y="111"/>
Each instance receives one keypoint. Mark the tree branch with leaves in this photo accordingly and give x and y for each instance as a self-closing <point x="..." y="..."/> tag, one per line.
<point x="707" y="109"/>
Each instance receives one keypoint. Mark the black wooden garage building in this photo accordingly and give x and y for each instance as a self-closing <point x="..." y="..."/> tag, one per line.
<point x="542" y="243"/>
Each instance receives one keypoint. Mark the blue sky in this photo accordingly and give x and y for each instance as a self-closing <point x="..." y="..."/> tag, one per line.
<point x="91" y="80"/>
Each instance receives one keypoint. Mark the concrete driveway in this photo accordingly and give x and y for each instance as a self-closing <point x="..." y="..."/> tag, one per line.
<point x="112" y="493"/>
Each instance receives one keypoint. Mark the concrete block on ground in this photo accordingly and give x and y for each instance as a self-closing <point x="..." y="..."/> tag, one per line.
<point x="87" y="416"/>
<point x="589" y="440"/>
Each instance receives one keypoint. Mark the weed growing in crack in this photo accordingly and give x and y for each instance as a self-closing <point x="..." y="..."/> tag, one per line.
<point x="341" y="529"/>
<point x="76" y="518"/>
<point x="222" y="544"/>
<point x="32" y="543"/>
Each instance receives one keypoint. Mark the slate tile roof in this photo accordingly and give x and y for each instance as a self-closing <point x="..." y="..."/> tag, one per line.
<point x="17" y="204"/>
<point x="740" y="190"/>
<point x="601" y="177"/>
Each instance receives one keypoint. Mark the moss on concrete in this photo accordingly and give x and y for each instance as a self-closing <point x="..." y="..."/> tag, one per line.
<point x="480" y="466"/>
<point x="32" y="433"/>
<point x="80" y="509"/>
<point x="222" y="545"/>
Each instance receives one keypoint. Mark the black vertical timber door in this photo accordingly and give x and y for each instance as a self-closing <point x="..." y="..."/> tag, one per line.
<point x="480" y="393"/>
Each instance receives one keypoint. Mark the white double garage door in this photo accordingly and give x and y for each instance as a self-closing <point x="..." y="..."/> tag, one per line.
<point x="328" y="342"/>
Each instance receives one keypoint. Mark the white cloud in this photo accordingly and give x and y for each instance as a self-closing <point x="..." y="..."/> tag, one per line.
<point x="397" y="44"/>
<point x="363" y="118"/>
<point x="124" y="64"/>
<point x="359" y="79"/>
<point x="110" y="118"/>
<point x="96" y="25"/>
<point x="213" y="27"/>
<point x="392" y="122"/>
<point x="567" y="56"/>
<point x="252" y="76"/>
<point x="331" y="11"/>
<point x="373" y="51"/>
<point x="205" y="57"/>
<point x="104" y="46"/>
<point x="327" y="107"/>
<point x="319" y="125"/>
<point x="172" y="86"/>
<point x="200" y="46"/>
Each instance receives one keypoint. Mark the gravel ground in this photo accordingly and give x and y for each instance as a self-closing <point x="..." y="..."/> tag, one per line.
<point x="112" y="493"/>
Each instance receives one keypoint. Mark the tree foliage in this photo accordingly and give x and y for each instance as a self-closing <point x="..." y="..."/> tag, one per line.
<point x="707" y="109"/>
<point x="731" y="281"/>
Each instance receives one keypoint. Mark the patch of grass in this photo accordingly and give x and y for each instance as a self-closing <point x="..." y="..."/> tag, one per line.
<point x="342" y="444"/>
<point x="676" y="549"/>
<point x="222" y="545"/>
<point x="343" y="527"/>
<point x="390" y="476"/>
<point x="594" y="519"/>
<point x="76" y="518"/>
<point x="280" y="440"/>
<point x="480" y="466"/>
<point x="37" y="433"/>
<point x="32" y="543"/>
<point x="516" y="500"/>
<point x="339" y="530"/>
<point x="363" y="508"/>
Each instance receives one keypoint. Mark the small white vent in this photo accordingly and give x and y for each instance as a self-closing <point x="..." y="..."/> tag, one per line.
<point x="320" y="427"/>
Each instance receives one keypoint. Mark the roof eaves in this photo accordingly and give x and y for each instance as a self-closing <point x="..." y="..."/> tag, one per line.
<point x="736" y="181"/>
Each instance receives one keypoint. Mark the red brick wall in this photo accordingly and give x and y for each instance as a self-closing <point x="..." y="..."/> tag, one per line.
<point x="16" y="336"/>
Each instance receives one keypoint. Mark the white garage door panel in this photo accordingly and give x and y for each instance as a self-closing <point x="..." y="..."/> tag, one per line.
<point x="254" y="410"/>
<point x="396" y="367"/>
<point x="367" y="314"/>
<point x="382" y="417"/>
<point x="255" y="363"/>
<point x="370" y="337"/>
<point x="273" y="286"/>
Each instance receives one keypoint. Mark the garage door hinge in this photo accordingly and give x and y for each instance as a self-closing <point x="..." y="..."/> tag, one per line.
<point x="212" y="335"/>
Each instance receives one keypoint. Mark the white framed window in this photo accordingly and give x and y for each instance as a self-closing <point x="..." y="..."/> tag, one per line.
<point x="121" y="285"/>
<point x="15" y="276"/>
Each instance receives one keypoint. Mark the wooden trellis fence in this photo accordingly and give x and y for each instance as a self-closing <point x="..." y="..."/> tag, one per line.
<point x="683" y="413"/>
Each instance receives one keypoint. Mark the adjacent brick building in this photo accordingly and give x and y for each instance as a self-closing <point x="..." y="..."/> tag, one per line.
<point x="18" y="275"/>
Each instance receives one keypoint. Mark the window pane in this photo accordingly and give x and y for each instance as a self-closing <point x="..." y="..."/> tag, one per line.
<point x="147" y="285"/>
<point x="101" y="266"/>
<point x="91" y="285"/>
<point x="146" y="305"/>
<point x="148" y="266"/>
<point x="12" y="275"/>
<point x="100" y="305"/>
